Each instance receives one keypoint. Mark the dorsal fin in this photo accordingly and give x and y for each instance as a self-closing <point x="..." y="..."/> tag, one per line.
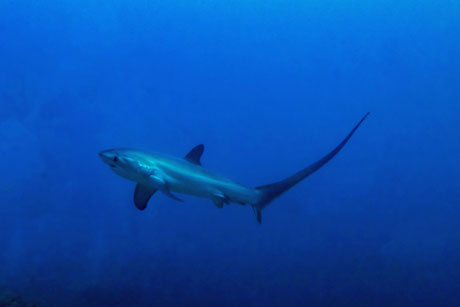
<point x="195" y="154"/>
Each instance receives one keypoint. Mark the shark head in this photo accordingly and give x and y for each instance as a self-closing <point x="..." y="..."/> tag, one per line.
<point x="123" y="162"/>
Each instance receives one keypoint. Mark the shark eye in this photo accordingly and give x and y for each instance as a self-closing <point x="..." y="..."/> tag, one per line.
<point x="115" y="159"/>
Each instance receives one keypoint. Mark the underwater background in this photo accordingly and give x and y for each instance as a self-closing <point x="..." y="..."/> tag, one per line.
<point x="269" y="87"/>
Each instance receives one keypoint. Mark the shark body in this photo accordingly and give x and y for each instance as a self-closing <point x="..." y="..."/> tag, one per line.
<point x="170" y="175"/>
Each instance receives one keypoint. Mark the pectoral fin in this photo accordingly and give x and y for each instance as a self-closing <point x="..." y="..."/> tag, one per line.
<point x="142" y="195"/>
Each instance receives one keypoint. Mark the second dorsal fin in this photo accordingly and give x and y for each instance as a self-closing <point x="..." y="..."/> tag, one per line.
<point x="195" y="154"/>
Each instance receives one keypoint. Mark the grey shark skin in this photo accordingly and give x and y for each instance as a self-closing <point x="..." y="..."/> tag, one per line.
<point x="155" y="172"/>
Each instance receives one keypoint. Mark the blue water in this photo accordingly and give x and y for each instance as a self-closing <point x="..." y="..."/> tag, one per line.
<point x="269" y="87"/>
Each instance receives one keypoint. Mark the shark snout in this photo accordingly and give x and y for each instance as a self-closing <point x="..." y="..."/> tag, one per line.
<point x="110" y="157"/>
<point x="105" y="154"/>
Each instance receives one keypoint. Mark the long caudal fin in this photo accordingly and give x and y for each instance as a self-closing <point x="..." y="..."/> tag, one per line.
<point x="271" y="191"/>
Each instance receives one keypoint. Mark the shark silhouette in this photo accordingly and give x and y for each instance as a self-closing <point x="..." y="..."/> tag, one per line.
<point x="155" y="172"/>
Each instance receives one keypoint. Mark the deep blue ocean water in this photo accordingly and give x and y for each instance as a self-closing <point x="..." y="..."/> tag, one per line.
<point x="268" y="87"/>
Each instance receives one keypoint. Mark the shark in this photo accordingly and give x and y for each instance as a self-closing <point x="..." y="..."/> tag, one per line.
<point x="153" y="172"/>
